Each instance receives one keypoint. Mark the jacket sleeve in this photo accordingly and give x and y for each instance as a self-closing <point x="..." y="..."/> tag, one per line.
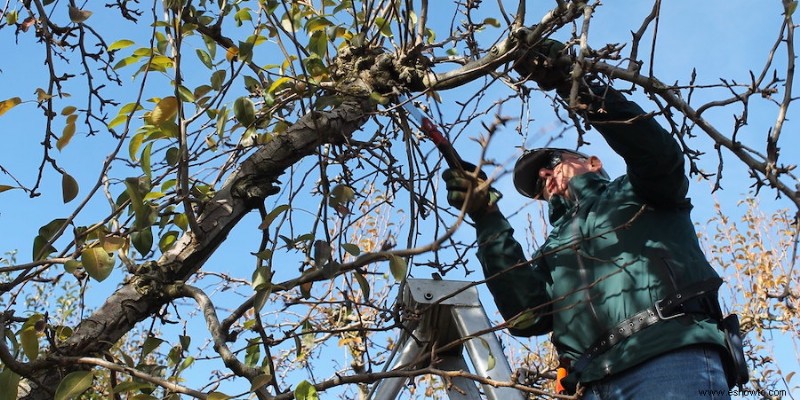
<point x="655" y="163"/>
<point x="516" y="284"/>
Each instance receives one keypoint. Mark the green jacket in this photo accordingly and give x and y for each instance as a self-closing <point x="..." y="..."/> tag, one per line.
<point x="613" y="250"/>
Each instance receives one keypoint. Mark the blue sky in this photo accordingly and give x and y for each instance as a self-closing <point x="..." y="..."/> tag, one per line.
<point x="721" y="39"/>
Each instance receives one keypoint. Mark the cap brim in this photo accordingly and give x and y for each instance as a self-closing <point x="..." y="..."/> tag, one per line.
<point x="526" y="170"/>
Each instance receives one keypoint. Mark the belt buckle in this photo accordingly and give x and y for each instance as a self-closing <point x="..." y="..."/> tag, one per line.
<point x="661" y="316"/>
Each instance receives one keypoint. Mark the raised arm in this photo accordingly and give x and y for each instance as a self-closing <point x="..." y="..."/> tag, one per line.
<point x="654" y="160"/>
<point x="516" y="284"/>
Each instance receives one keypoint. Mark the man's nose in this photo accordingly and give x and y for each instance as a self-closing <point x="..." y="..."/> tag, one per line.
<point x="544" y="172"/>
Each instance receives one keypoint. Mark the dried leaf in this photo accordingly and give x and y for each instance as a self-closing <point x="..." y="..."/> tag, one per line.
<point x="77" y="15"/>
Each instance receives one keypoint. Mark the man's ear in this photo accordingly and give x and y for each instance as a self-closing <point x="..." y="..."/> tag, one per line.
<point x="595" y="165"/>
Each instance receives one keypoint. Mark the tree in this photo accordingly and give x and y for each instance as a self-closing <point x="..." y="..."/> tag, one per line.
<point x="198" y="115"/>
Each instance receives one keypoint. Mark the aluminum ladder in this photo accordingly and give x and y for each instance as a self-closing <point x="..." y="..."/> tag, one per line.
<point x="450" y="310"/>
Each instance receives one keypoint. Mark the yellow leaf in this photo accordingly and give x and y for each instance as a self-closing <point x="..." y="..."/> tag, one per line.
<point x="165" y="111"/>
<point x="231" y="54"/>
<point x="8" y="104"/>
<point x="278" y="83"/>
<point x="66" y="136"/>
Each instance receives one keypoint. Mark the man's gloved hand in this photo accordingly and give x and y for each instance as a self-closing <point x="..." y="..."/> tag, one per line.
<point x="547" y="64"/>
<point x="481" y="199"/>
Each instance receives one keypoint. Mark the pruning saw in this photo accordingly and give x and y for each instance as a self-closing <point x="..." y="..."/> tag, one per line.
<point x="430" y="130"/>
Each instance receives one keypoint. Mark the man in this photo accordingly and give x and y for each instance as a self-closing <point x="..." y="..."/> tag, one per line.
<point x="621" y="281"/>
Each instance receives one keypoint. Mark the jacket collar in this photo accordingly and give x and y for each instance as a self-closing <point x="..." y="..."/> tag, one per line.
<point x="581" y="187"/>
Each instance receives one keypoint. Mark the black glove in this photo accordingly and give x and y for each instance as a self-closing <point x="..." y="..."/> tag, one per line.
<point x="547" y="64"/>
<point x="482" y="198"/>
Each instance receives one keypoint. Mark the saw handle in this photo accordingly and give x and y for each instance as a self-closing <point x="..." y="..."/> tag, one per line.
<point x="450" y="155"/>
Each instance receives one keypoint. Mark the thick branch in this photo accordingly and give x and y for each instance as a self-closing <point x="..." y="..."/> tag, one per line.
<point x="251" y="182"/>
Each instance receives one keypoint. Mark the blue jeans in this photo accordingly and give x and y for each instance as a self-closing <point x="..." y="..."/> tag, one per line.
<point x="693" y="372"/>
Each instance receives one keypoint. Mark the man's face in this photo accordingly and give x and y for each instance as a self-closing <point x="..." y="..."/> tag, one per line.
<point x="556" y="174"/>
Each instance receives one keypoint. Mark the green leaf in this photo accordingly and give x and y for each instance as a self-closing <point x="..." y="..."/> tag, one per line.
<point x="167" y="240"/>
<point x="398" y="267"/>
<point x="217" y="79"/>
<point x="218" y="396"/>
<point x="242" y="15"/>
<point x="341" y="195"/>
<point x="251" y="84"/>
<point x="133" y="146"/>
<point x="97" y="262"/>
<point x="127" y="61"/>
<point x="46" y="234"/>
<point x="143" y="240"/>
<point x="205" y="58"/>
<point x="69" y="188"/>
<point x="318" y="44"/>
<point x="3" y="188"/>
<point x="129" y="386"/>
<point x="29" y="339"/>
<point x="9" y="383"/>
<point x="362" y="282"/>
<point x="150" y="344"/>
<point x="262" y="278"/>
<point x="186" y="94"/>
<point x="384" y="26"/>
<point x="173" y="156"/>
<point x="351" y="248"/>
<point x="120" y="44"/>
<point x="8" y="104"/>
<point x="523" y="320"/>
<point x="492" y="21"/>
<point x="71" y="266"/>
<point x="146" y="165"/>
<point x="305" y="391"/>
<point x="271" y="216"/>
<point x="252" y="353"/>
<point x="74" y="384"/>
<point x="245" y="111"/>
<point x="260" y="299"/>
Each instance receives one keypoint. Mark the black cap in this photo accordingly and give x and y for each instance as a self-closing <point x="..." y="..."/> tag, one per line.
<point x="526" y="170"/>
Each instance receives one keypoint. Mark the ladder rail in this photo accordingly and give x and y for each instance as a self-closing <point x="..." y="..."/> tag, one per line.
<point x="453" y="310"/>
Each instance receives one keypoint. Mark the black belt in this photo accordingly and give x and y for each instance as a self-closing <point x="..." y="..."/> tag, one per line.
<point x="698" y="298"/>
